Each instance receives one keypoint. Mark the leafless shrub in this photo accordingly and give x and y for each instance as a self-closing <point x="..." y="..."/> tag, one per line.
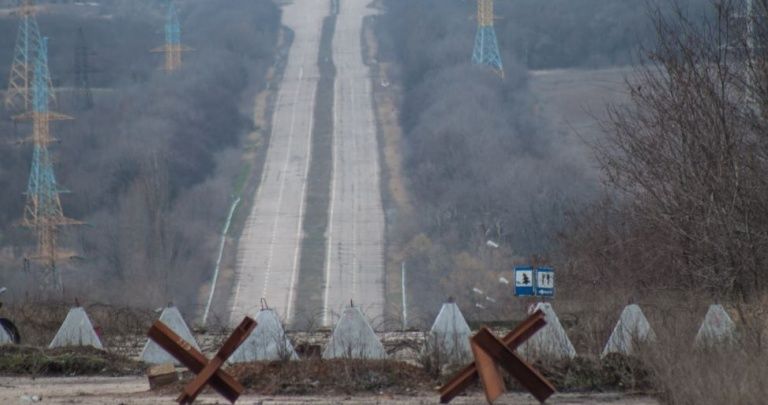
<point x="683" y="373"/>
<point x="687" y="161"/>
<point x="119" y="328"/>
<point x="442" y="355"/>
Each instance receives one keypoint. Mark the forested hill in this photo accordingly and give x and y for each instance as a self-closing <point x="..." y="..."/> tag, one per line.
<point x="151" y="168"/>
<point x="481" y="162"/>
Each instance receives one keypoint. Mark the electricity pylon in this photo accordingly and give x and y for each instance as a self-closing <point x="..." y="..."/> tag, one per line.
<point x="173" y="47"/>
<point x="83" y="93"/>
<point x="43" y="212"/>
<point x="19" y="94"/>
<point x="42" y="96"/>
<point x="486" y="50"/>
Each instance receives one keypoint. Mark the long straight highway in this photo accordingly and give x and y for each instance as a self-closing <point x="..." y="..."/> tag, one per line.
<point x="355" y="235"/>
<point x="269" y="250"/>
<point x="270" y="245"/>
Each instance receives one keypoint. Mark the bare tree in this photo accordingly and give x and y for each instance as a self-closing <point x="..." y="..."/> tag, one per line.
<point x="688" y="158"/>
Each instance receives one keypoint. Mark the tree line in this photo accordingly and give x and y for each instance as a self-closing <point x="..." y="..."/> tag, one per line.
<point x="484" y="168"/>
<point x="686" y="166"/>
<point x="151" y="168"/>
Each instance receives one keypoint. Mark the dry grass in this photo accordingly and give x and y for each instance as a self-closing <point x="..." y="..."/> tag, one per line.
<point x="333" y="377"/>
<point x="32" y="361"/>
<point x="683" y="375"/>
<point x="673" y="368"/>
<point x="39" y="322"/>
<point x="615" y="372"/>
<point x="725" y="373"/>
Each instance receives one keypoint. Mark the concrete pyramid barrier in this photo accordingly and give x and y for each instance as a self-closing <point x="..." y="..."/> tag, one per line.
<point x="76" y="330"/>
<point x="353" y="338"/>
<point x="266" y="342"/>
<point x="450" y="335"/>
<point x="632" y="328"/>
<point x="154" y="354"/>
<point x="5" y="338"/>
<point x="717" y="327"/>
<point x="551" y="341"/>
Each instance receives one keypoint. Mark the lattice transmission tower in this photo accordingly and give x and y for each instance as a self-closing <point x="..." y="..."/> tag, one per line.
<point x="43" y="212"/>
<point x="486" y="50"/>
<point x="173" y="47"/>
<point x="19" y="94"/>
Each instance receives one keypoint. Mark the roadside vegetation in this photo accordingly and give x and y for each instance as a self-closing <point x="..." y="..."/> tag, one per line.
<point x="677" y="221"/>
<point x="65" y="362"/>
<point x="153" y="165"/>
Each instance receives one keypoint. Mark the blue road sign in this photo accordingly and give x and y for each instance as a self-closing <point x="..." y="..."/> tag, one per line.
<point x="545" y="282"/>
<point x="524" y="281"/>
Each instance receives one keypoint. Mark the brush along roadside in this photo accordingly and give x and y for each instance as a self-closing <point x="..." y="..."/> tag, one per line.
<point x="68" y="361"/>
<point x="389" y="377"/>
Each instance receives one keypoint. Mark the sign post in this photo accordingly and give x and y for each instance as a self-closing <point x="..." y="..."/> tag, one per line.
<point x="530" y="282"/>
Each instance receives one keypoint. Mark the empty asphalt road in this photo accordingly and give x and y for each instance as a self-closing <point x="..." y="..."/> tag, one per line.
<point x="269" y="248"/>
<point x="355" y="234"/>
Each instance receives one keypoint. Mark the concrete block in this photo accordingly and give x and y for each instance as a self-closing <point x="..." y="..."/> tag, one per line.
<point x="76" y="330"/>
<point x="354" y="338"/>
<point x="551" y="341"/>
<point x="450" y="335"/>
<point x="632" y="328"/>
<point x="153" y="353"/>
<point x="161" y="375"/>
<point x="266" y="342"/>
<point x="717" y="327"/>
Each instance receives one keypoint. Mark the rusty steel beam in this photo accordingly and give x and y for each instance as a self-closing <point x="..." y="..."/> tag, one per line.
<point x="488" y="370"/>
<point x="186" y="354"/>
<point x="528" y="376"/>
<point x="468" y="375"/>
<point x="238" y="336"/>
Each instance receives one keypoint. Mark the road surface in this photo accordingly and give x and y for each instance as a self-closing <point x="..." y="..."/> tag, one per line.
<point x="269" y="248"/>
<point x="355" y="234"/>
<point x="135" y="391"/>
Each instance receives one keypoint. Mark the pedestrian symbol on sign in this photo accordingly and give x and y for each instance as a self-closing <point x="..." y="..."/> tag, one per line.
<point x="545" y="281"/>
<point x="534" y="282"/>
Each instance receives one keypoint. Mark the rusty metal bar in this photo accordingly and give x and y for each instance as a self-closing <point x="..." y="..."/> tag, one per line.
<point x="192" y="359"/>
<point x="468" y="375"/>
<point x="490" y="375"/>
<point x="528" y="376"/>
<point x="238" y="336"/>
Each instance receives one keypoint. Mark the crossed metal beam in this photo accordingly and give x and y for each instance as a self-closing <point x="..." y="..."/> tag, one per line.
<point x="490" y="352"/>
<point x="208" y="372"/>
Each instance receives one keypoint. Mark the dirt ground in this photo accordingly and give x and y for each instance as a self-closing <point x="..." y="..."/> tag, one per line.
<point x="135" y="391"/>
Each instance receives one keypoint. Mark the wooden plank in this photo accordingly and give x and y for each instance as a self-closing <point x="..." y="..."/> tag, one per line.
<point x="529" y="377"/>
<point x="192" y="359"/>
<point x="238" y="336"/>
<point x="468" y="375"/>
<point x="488" y="370"/>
